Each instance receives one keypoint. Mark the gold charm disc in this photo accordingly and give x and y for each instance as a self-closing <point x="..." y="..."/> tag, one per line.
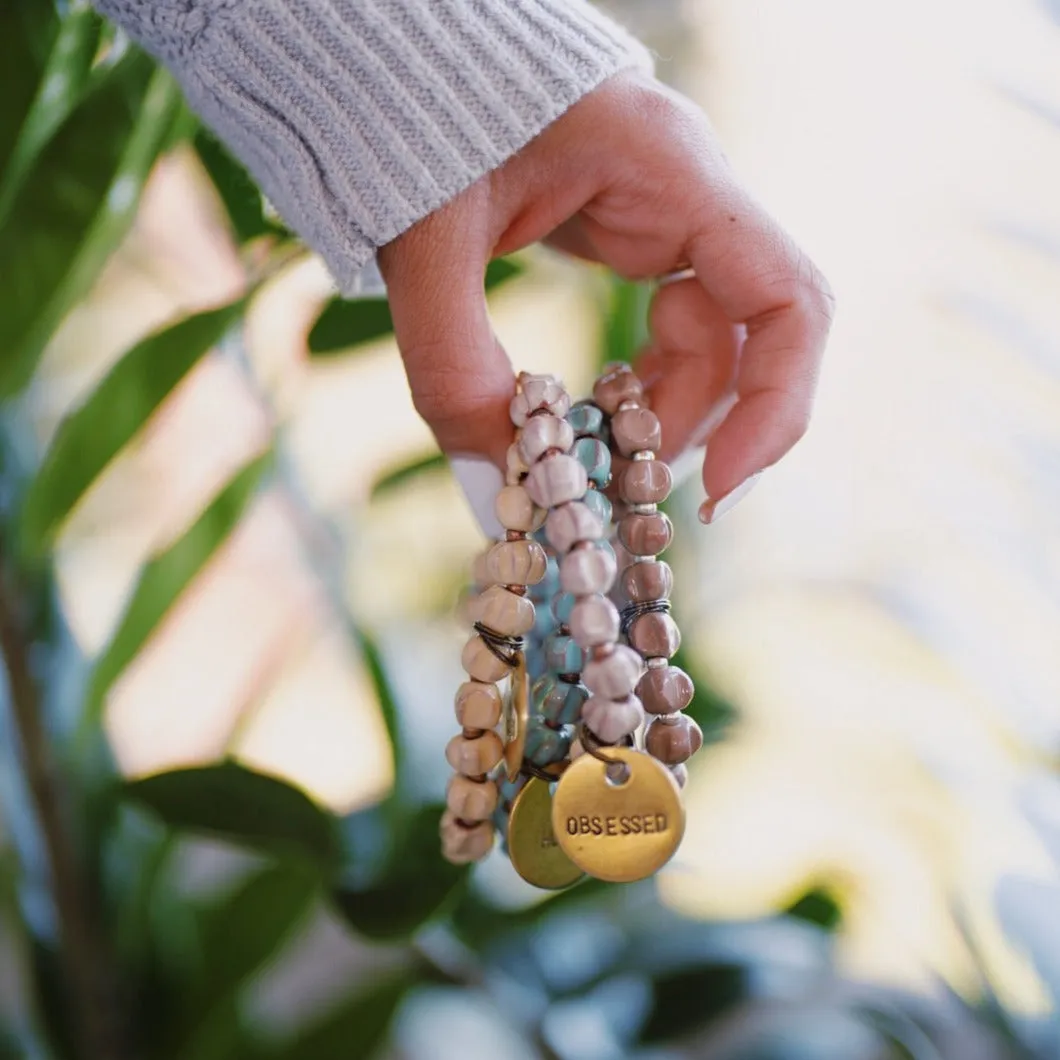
<point x="532" y="846"/>
<point x="618" y="831"/>
<point x="516" y="718"/>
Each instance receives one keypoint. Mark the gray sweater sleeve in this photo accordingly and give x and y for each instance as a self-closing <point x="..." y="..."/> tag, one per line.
<point x="359" y="117"/>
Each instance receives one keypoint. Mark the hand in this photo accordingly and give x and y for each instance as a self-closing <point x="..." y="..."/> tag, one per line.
<point x="633" y="177"/>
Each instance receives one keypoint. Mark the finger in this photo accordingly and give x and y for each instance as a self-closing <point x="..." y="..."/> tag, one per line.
<point x="691" y="364"/>
<point x="572" y="238"/>
<point x="460" y="378"/>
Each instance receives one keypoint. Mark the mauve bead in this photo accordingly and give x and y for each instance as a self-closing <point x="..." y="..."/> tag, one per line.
<point x="461" y="845"/>
<point x="516" y="511"/>
<point x="615" y="386"/>
<point x="618" y="468"/>
<point x="665" y="689"/>
<point x="480" y="663"/>
<point x="504" y="612"/>
<point x="650" y="579"/>
<point x="594" y="621"/>
<point x="645" y="482"/>
<point x="570" y="523"/>
<point x="516" y="563"/>
<point x="587" y="570"/>
<point x="636" y="430"/>
<point x="471" y="800"/>
<point x="477" y="705"/>
<point x="538" y="392"/>
<point x="655" y="635"/>
<point x="609" y="720"/>
<point x="614" y="676"/>
<point x="673" y="740"/>
<point x="542" y="433"/>
<point x="646" y="535"/>
<point x="556" y="480"/>
<point x="474" y="757"/>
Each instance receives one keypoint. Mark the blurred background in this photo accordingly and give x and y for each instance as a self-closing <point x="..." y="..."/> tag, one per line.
<point x="232" y="557"/>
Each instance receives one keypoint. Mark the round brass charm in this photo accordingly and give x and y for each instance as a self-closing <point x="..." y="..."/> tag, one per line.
<point x="618" y="831"/>
<point x="532" y="847"/>
<point x="516" y="718"/>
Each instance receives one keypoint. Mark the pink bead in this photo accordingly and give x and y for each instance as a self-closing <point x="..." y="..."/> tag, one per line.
<point x="556" y="480"/>
<point x="587" y="570"/>
<point x="594" y="621"/>
<point x="570" y="523"/>
<point x="609" y="720"/>
<point x="542" y="433"/>
<point x="615" y="676"/>
<point x="538" y="392"/>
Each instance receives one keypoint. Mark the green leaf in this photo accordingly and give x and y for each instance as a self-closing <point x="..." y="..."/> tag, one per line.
<point x="416" y="886"/>
<point x="387" y="698"/>
<point x="241" y="197"/>
<point x="393" y="480"/>
<point x="120" y="406"/>
<point x="76" y="203"/>
<point x="626" y="322"/>
<point x="686" y="1000"/>
<point x="236" y="803"/>
<point x="163" y="580"/>
<point x="352" y="322"/>
<point x="818" y="907"/>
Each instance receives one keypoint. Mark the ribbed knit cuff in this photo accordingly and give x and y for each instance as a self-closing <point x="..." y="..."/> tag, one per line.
<point x="360" y="117"/>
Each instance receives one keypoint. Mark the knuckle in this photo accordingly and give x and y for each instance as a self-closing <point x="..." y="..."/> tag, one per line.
<point x="814" y="294"/>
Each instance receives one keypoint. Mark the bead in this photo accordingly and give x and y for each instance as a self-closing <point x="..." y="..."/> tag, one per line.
<point x="599" y="505"/>
<point x="480" y="663"/>
<point x="563" y="655"/>
<point x="516" y="563"/>
<point x="516" y="465"/>
<point x="665" y="690"/>
<point x="615" y="386"/>
<point x="594" y="621"/>
<point x="545" y="745"/>
<point x="508" y="789"/>
<point x="570" y="523"/>
<point x="655" y="635"/>
<point x="549" y="584"/>
<point x="648" y="580"/>
<point x="635" y="430"/>
<point x="646" y="535"/>
<point x="471" y="800"/>
<point x="504" y="612"/>
<point x="516" y="511"/>
<point x="462" y="845"/>
<point x="479" y="572"/>
<point x="477" y="705"/>
<point x="475" y="757"/>
<point x="587" y="570"/>
<point x="680" y="774"/>
<point x="586" y="419"/>
<point x="556" y="480"/>
<point x="542" y="433"/>
<point x="562" y="606"/>
<point x="673" y="739"/>
<point x="559" y="702"/>
<point x="595" y="457"/>
<point x="538" y="392"/>
<point x="614" y="676"/>
<point x="609" y="719"/>
<point x="646" y="482"/>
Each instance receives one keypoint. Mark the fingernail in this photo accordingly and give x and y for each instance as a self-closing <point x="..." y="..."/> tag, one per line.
<point x="711" y="511"/>
<point x="481" y="480"/>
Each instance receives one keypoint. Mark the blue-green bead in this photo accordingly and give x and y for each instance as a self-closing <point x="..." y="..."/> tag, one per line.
<point x="595" y="457"/>
<point x="562" y="606"/>
<point x="544" y="623"/>
<point x="562" y="704"/>
<point x="585" y="418"/>
<point x="545" y="745"/>
<point x="563" y="654"/>
<point x="599" y="505"/>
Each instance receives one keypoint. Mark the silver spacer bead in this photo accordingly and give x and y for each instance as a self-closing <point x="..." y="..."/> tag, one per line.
<point x="628" y="404"/>
<point x="644" y="509"/>
<point x="643" y="454"/>
<point x="656" y="662"/>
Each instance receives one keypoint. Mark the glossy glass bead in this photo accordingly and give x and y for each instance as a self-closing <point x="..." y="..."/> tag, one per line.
<point x="586" y="418"/>
<point x="562" y="605"/>
<point x="595" y="457"/>
<point x="563" y="655"/>
<point x="545" y="745"/>
<point x="599" y="505"/>
<point x="560" y="702"/>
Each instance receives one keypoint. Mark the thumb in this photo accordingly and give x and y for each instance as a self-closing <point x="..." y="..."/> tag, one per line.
<point x="460" y="378"/>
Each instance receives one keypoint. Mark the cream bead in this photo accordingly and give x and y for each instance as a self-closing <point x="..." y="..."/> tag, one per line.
<point x="594" y="621"/>
<point x="474" y="757"/>
<point x="479" y="572"/>
<point x="614" y="676"/>
<point x="516" y="511"/>
<point x="471" y="800"/>
<point x="542" y="433"/>
<point x="556" y="480"/>
<point x="516" y="563"/>
<point x="587" y="570"/>
<point x="462" y="845"/>
<point x="570" y="523"/>
<point x="480" y="663"/>
<point x="609" y="720"/>
<point x="538" y="392"/>
<point x="504" y="612"/>
<point x="477" y="705"/>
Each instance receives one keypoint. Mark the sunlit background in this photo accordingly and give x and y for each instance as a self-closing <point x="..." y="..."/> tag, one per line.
<point x="883" y="610"/>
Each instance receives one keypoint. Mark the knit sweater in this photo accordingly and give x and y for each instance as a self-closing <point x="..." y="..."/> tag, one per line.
<point x="360" y="117"/>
